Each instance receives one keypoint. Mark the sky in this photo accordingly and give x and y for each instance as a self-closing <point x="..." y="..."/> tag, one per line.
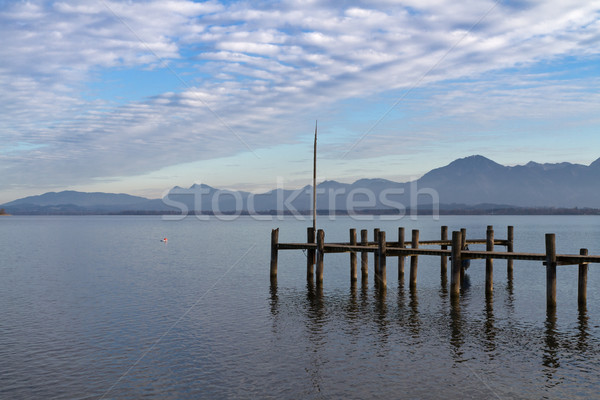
<point x="140" y="96"/>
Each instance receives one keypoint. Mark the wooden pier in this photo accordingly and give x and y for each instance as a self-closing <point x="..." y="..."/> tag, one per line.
<point x="455" y="248"/>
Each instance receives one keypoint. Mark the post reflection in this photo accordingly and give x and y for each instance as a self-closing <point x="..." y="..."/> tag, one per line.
<point x="550" y="357"/>
<point x="456" y="328"/>
<point x="489" y="327"/>
<point x="510" y="303"/>
<point x="583" y="332"/>
<point x="352" y="308"/>
<point x="413" y="318"/>
<point x="380" y="294"/>
<point x="443" y="284"/>
<point x="273" y="297"/>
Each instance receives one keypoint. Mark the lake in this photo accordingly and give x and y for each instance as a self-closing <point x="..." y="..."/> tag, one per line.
<point x="97" y="307"/>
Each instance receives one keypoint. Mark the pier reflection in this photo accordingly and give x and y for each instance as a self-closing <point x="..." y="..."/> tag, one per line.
<point x="550" y="358"/>
<point x="488" y="328"/>
<point x="414" y="321"/>
<point x="583" y="333"/>
<point x="456" y="329"/>
<point x="380" y="320"/>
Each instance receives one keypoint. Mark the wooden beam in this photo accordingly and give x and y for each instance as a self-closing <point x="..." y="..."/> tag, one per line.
<point x="489" y="262"/>
<point x="320" y="254"/>
<point x="444" y="259"/>
<point x="550" y="270"/>
<point x="510" y="236"/>
<point x="382" y="260"/>
<point x="376" y="254"/>
<point x="400" y="257"/>
<point x="310" y="254"/>
<point x="364" y="256"/>
<point x="274" y="251"/>
<point x="414" y="260"/>
<point x="582" y="281"/>
<point x="456" y="264"/>
<point x="353" y="272"/>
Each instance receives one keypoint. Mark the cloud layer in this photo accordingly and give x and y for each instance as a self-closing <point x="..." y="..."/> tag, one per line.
<point x="250" y="75"/>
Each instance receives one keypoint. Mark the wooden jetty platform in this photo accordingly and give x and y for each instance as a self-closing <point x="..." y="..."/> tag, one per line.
<point x="455" y="248"/>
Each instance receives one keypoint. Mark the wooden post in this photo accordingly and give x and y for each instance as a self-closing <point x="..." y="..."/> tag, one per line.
<point x="489" y="262"/>
<point x="414" y="259"/>
<point x="310" y="254"/>
<point x="353" y="273"/>
<point x="274" y="251"/>
<point x="444" y="259"/>
<point x="401" y="258"/>
<point x="550" y="270"/>
<point x="509" y="248"/>
<point x="463" y="245"/>
<point x="456" y="265"/>
<point x="376" y="254"/>
<point x="364" y="256"/>
<point x="320" y="254"/>
<point x="582" y="281"/>
<point x="382" y="260"/>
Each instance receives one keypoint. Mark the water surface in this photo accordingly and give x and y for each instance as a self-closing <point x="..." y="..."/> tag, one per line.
<point x="97" y="307"/>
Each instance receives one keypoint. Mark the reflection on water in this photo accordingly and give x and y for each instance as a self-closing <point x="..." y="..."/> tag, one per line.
<point x="413" y="322"/>
<point x="195" y="319"/>
<point x="488" y="326"/>
<point x="550" y="356"/>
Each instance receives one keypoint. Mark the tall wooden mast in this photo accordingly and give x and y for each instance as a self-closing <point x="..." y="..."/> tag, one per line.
<point x="315" y="182"/>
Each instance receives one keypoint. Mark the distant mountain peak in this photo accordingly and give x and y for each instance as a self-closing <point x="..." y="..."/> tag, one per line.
<point x="200" y="186"/>
<point x="476" y="160"/>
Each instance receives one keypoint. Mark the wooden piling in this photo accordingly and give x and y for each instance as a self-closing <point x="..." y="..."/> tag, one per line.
<point x="414" y="260"/>
<point x="456" y="264"/>
<point x="364" y="256"/>
<point x="353" y="272"/>
<point x="320" y="254"/>
<point x="463" y="245"/>
<point x="376" y="254"/>
<point x="510" y="237"/>
<point x="550" y="270"/>
<point x="582" y="281"/>
<point x="489" y="262"/>
<point x="310" y="254"/>
<point x="444" y="259"/>
<point x="382" y="260"/>
<point x="274" y="251"/>
<point x="401" y="258"/>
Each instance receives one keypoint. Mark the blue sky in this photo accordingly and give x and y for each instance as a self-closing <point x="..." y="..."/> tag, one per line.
<point x="140" y="96"/>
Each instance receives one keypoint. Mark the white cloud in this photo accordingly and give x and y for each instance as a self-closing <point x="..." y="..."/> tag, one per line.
<point x="249" y="72"/>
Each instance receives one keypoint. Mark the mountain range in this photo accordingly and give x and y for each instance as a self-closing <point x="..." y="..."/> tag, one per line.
<point x="473" y="183"/>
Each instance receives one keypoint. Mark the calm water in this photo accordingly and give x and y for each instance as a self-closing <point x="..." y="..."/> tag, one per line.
<point x="98" y="307"/>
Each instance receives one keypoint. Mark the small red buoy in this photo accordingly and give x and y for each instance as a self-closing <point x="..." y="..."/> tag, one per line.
<point x="164" y="240"/>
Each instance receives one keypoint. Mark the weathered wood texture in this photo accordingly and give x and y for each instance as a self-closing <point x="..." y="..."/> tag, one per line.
<point x="456" y="264"/>
<point x="274" y="252"/>
<point x="383" y="249"/>
<point x="353" y="271"/>
<point x="376" y="254"/>
<point x="320" y="254"/>
<point x="582" y="280"/>
<point x="364" y="256"/>
<point x="382" y="277"/>
<point x="550" y="270"/>
<point x="414" y="260"/>
<point x="444" y="259"/>
<point x="310" y="253"/>
<point x="489" y="262"/>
